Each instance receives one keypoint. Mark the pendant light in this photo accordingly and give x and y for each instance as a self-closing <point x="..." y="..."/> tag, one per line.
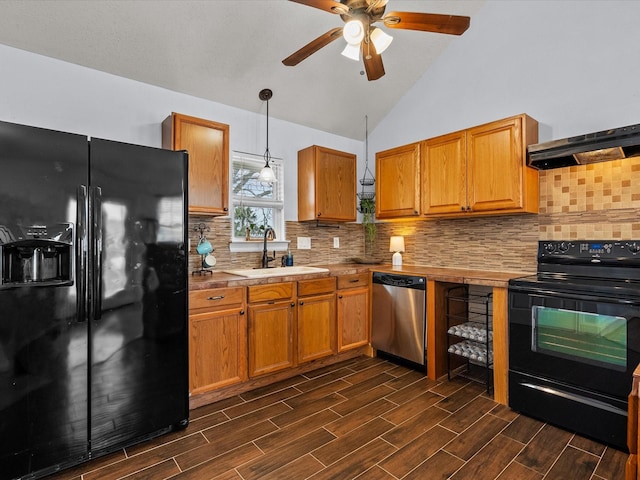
<point x="266" y="174"/>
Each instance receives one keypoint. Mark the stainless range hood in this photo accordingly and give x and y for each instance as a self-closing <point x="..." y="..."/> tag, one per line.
<point x="595" y="147"/>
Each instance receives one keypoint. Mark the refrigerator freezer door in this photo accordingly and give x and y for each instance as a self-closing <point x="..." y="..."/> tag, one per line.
<point x="138" y="291"/>
<point x="43" y="345"/>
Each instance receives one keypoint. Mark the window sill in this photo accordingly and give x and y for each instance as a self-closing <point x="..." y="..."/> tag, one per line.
<point x="258" y="246"/>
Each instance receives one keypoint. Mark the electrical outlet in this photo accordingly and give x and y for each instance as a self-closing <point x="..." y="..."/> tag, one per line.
<point x="336" y="242"/>
<point x="304" y="243"/>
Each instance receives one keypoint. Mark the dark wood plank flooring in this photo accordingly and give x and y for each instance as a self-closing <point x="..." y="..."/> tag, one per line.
<point x="367" y="419"/>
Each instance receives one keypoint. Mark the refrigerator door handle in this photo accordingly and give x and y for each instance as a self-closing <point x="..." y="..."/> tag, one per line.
<point x="96" y="213"/>
<point x="81" y="252"/>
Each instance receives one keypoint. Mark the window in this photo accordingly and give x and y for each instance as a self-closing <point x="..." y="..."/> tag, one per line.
<point x="256" y="205"/>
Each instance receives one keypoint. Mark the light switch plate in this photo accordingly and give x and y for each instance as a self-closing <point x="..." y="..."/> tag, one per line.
<point x="304" y="243"/>
<point x="336" y="242"/>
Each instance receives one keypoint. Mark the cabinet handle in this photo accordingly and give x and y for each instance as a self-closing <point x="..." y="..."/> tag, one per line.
<point x="226" y="209"/>
<point x="218" y="297"/>
<point x="293" y="304"/>
<point x="339" y="296"/>
<point x="319" y="213"/>
<point x="301" y="302"/>
<point x="462" y="208"/>
<point x="354" y="280"/>
<point x="241" y="312"/>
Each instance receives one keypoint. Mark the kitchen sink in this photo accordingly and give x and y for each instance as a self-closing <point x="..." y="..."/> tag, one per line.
<point x="275" y="272"/>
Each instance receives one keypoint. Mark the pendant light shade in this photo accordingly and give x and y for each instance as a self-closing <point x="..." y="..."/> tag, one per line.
<point x="266" y="174"/>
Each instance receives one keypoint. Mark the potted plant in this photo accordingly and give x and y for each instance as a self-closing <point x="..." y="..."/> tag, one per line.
<point x="368" y="210"/>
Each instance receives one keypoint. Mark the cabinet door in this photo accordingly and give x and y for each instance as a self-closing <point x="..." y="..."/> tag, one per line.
<point x="398" y="182"/>
<point x="326" y="185"/>
<point x="208" y="145"/>
<point x="271" y="337"/>
<point x="495" y="157"/>
<point x="316" y="327"/>
<point x="444" y="174"/>
<point x="353" y="318"/>
<point x="217" y="350"/>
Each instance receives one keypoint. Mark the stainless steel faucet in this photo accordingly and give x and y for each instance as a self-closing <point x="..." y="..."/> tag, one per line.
<point x="270" y="234"/>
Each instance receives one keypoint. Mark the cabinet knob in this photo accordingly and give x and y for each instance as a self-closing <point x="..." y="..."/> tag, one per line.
<point x="226" y="209"/>
<point x="293" y="304"/>
<point x="462" y="208"/>
<point x="301" y="302"/>
<point x="241" y="312"/>
<point x="339" y="296"/>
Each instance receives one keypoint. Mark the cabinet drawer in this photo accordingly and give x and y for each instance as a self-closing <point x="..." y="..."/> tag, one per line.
<point x="354" y="280"/>
<point x="272" y="291"/>
<point x="315" y="286"/>
<point x="215" y="297"/>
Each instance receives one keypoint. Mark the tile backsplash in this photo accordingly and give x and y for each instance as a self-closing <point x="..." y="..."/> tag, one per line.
<point x="599" y="201"/>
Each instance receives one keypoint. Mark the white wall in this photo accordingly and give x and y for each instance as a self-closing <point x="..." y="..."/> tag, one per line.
<point x="44" y="92"/>
<point x="571" y="65"/>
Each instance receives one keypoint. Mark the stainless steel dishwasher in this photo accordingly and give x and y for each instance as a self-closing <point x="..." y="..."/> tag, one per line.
<point x="398" y="323"/>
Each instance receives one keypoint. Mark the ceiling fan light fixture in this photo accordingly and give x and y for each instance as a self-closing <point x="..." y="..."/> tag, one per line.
<point x="353" y="32"/>
<point x="352" y="52"/>
<point x="380" y="40"/>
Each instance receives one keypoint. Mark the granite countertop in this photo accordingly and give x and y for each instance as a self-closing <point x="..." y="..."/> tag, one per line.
<point x="454" y="275"/>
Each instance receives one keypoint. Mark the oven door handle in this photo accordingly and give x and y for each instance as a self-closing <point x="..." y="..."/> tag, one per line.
<point x="574" y="296"/>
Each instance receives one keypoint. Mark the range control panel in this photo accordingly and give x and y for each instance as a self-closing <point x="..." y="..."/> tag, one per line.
<point x="589" y="249"/>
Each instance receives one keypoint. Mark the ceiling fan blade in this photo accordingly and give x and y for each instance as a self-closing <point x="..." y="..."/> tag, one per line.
<point x="427" y="22"/>
<point x="327" y="5"/>
<point x="372" y="62"/>
<point x="312" y="47"/>
<point x="373" y="4"/>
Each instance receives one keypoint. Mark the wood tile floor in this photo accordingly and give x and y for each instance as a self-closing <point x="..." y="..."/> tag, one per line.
<point x="367" y="419"/>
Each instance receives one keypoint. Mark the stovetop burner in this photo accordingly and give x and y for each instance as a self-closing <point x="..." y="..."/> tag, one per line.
<point x="605" y="268"/>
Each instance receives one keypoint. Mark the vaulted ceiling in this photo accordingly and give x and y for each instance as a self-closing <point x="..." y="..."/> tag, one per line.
<point x="228" y="50"/>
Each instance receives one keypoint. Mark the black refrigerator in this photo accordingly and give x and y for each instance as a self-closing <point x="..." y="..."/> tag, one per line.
<point x="93" y="297"/>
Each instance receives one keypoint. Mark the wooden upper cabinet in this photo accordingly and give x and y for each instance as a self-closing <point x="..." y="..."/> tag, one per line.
<point x="208" y="145"/>
<point x="481" y="170"/>
<point x="398" y="182"/>
<point x="499" y="179"/>
<point x="326" y="185"/>
<point x="444" y="173"/>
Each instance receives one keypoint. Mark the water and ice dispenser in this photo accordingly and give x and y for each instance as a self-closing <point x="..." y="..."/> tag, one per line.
<point x="36" y="255"/>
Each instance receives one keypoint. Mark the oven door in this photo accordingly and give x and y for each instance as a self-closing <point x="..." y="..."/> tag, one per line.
<point x="583" y="340"/>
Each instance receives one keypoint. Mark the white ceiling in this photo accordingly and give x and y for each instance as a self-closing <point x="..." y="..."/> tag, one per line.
<point x="228" y="50"/>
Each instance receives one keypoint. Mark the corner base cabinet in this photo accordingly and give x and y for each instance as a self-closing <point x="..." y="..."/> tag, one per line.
<point x="217" y="339"/>
<point x="207" y="143"/>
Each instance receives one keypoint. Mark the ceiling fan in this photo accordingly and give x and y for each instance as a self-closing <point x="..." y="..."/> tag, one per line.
<point x="363" y="37"/>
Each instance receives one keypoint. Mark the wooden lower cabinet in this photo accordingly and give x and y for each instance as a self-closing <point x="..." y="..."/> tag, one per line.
<point x="217" y="339"/>
<point x="353" y="311"/>
<point x="271" y="320"/>
<point x="316" y="319"/>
